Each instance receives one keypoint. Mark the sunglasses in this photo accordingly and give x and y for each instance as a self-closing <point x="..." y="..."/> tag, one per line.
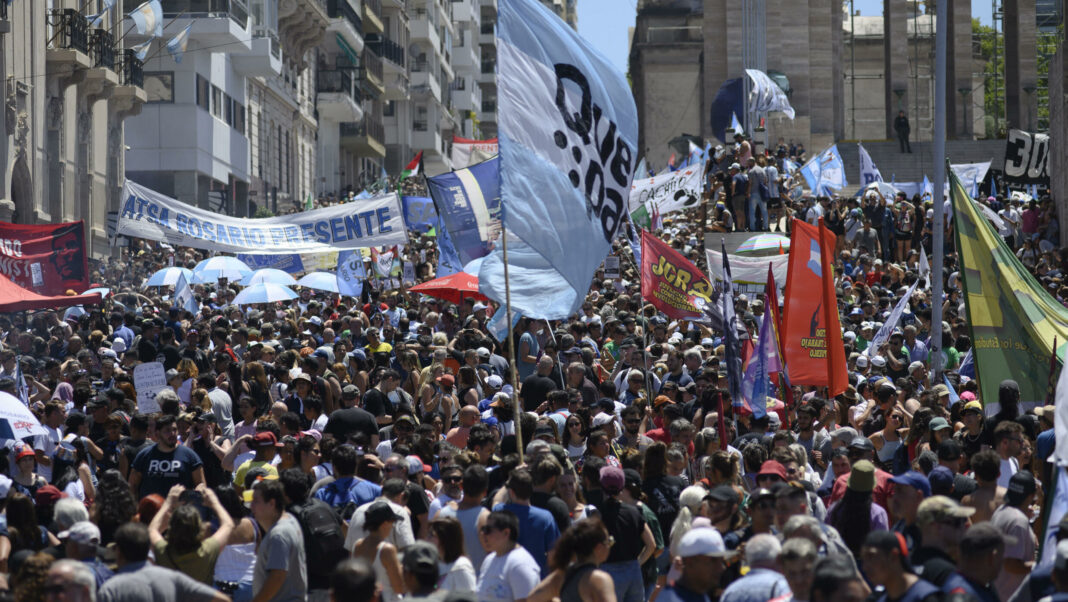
<point x="452" y="479"/>
<point x="486" y="530"/>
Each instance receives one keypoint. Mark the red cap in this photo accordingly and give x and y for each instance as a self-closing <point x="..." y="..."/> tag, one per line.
<point x="773" y="467"/>
<point x="447" y="379"/>
<point x="48" y="495"/>
<point x="23" y="452"/>
<point x="265" y="439"/>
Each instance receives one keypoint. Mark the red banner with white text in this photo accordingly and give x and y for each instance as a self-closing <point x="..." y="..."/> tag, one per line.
<point x="670" y="282"/>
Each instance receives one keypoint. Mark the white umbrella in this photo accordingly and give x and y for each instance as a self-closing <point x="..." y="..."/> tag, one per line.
<point x="221" y="266"/>
<point x="167" y="277"/>
<point x="270" y="275"/>
<point x="320" y="281"/>
<point x="264" y="292"/>
<point x="16" y="419"/>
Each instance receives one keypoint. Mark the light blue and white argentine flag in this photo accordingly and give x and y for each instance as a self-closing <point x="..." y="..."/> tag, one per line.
<point x="869" y="173"/>
<point x="891" y="322"/>
<point x="825" y="172"/>
<point x="568" y="130"/>
<point x="736" y="126"/>
<point x="148" y="19"/>
<point x="141" y="50"/>
<point x="177" y="45"/>
<point x="183" y="296"/>
<point x="350" y="273"/>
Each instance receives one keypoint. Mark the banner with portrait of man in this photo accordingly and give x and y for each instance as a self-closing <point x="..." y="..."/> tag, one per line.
<point x="48" y="259"/>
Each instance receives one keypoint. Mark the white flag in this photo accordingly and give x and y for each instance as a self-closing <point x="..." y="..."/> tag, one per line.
<point x="891" y="322"/>
<point x="925" y="267"/>
<point x="869" y="173"/>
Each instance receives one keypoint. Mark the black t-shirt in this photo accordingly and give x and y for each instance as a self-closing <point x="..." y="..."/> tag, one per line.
<point x="170" y="356"/>
<point x="662" y="494"/>
<point x="933" y="565"/>
<point x="147" y="350"/>
<point x="112" y="450"/>
<point x="345" y="423"/>
<point x="535" y="389"/>
<point x="555" y="506"/>
<point x="377" y="403"/>
<point x="162" y="470"/>
<point x="417" y="505"/>
<point x="131" y="448"/>
<point x="214" y="474"/>
<point x="624" y="522"/>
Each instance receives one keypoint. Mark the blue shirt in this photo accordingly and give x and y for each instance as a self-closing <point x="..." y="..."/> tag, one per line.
<point x="349" y="489"/>
<point x="1044" y="444"/>
<point x="758" y="585"/>
<point x="958" y="584"/>
<point x="537" y="532"/>
<point x="679" y="593"/>
<point x="126" y="335"/>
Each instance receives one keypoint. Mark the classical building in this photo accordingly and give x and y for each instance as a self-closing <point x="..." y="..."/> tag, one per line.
<point x="68" y="88"/>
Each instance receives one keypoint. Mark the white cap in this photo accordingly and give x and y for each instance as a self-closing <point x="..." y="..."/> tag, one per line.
<point x="702" y="541"/>
<point x="83" y="532"/>
<point x="478" y="307"/>
<point x="878" y="361"/>
<point x="601" y="419"/>
<point x="118" y="345"/>
<point x="862" y="361"/>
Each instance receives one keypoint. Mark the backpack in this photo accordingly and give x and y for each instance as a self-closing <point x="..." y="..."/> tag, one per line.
<point x="324" y="541"/>
<point x="339" y="499"/>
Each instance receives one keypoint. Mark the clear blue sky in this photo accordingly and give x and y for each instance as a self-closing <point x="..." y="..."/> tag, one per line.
<point x="605" y="23"/>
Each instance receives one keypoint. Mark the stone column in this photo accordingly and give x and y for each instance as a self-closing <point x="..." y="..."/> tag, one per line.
<point x="958" y="65"/>
<point x="895" y="61"/>
<point x="1021" y="64"/>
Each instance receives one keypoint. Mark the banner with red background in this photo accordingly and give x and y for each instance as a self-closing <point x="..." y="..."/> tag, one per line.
<point x="671" y="283"/>
<point x="48" y="259"/>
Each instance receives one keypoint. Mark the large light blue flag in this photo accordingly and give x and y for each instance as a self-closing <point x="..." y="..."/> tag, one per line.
<point x="498" y="324"/>
<point x="183" y="296"/>
<point x="449" y="261"/>
<point x="178" y="44"/>
<point x="148" y="19"/>
<point x="736" y="126"/>
<point x="825" y="172"/>
<point x="351" y="273"/>
<point x="419" y="213"/>
<point x="469" y="202"/>
<point x="141" y="50"/>
<point x="765" y="360"/>
<point x="568" y="130"/>
<point x="98" y="19"/>
<point x="869" y="173"/>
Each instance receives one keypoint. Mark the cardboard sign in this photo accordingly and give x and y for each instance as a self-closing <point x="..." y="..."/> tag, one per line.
<point x="149" y="379"/>
<point x="611" y="267"/>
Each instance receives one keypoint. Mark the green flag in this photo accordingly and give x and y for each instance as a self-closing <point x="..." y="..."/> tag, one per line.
<point x="1013" y="320"/>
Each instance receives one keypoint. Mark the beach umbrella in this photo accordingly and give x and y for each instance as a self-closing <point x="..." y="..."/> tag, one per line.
<point x="104" y="292"/>
<point x="764" y="244"/>
<point x="264" y="292"/>
<point x="320" y="281"/>
<point x="269" y="275"/>
<point x="167" y="277"/>
<point x="453" y="288"/>
<point x="16" y="419"/>
<point x="220" y="266"/>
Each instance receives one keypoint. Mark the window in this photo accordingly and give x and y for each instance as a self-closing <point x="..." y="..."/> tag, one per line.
<point x="388" y="109"/>
<point x="216" y="102"/>
<point x="239" y="118"/>
<point x="228" y="110"/>
<point x="159" y="85"/>
<point x="203" y="96"/>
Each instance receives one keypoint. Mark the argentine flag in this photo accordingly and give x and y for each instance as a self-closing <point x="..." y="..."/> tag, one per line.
<point x="148" y="19"/>
<point x="177" y="45"/>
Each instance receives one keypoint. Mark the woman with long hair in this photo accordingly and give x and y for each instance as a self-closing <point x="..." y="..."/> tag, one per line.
<point x="691" y="502"/>
<point x="467" y="386"/>
<point x="409" y="361"/>
<point x="308" y="455"/>
<point x="236" y="562"/>
<point x="855" y="515"/>
<point x="661" y="490"/>
<point x="114" y="505"/>
<point x="71" y="471"/>
<point x="428" y="384"/>
<point x="455" y="571"/>
<point x="569" y="491"/>
<point x="257" y="386"/>
<point x="185" y="549"/>
<point x="574" y="439"/>
<point x="23" y="531"/>
<point x="574" y="560"/>
<point x="247" y="412"/>
<point x="379" y="553"/>
<point x="722" y="468"/>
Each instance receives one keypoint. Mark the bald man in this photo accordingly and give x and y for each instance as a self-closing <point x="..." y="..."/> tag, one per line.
<point x="537" y="386"/>
<point x="458" y="435"/>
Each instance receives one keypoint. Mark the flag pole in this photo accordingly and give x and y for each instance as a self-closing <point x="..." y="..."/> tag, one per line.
<point x="827" y="309"/>
<point x="511" y="346"/>
<point x="938" y="223"/>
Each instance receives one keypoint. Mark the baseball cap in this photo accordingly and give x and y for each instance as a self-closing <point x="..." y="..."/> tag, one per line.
<point x="420" y="557"/>
<point x="378" y="513"/>
<point x="48" y="495"/>
<point x="938" y="424"/>
<point x="878" y="361"/>
<point x="483" y="352"/>
<point x="265" y="439"/>
<point x="862" y="361"/>
<point x="23" y="451"/>
<point x="773" y="467"/>
<point x="940" y="509"/>
<point x="494" y="381"/>
<point x="941" y="479"/>
<point x="416" y="466"/>
<point x="702" y="541"/>
<point x="601" y="419"/>
<point x="968" y="396"/>
<point x="724" y="493"/>
<point x="83" y="532"/>
<point x="913" y="479"/>
<point x="862" y="444"/>
<point x="972" y="406"/>
<point x="447" y="379"/>
<point x="350" y="391"/>
<point x="612" y="479"/>
<point x="1021" y="485"/>
<point x="940" y="390"/>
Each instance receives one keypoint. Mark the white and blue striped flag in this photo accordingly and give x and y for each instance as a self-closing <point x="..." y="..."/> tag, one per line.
<point x="148" y="19"/>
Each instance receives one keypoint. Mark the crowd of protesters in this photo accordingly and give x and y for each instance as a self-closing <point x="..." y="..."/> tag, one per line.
<point x="381" y="448"/>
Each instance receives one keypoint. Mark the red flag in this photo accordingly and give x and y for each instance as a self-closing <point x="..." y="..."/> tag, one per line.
<point x="48" y="259"/>
<point x="811" y="333"/>
<point x="670" y="282"/>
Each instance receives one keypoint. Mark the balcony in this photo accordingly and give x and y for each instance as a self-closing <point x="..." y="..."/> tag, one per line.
<point x="364" y="138"/>
<point x="130" y="94"/>
<point x="422" y="29"/>
<point x="487" y="74"/>
<point x="487" y="33"/>
<point x="391" y="52"/>
<point x="489" y="111"/>
<point x="425" y="81"/>
<point x="685" y="34"/>
<point x="263" y="58"/>
<point x="371" y="68"/>
<point x="102" y="77"/>
<point x="346" y="22"/>
<point x="235" y="10"/>
<point x="215" y="22"/>
<point x="372" y="17"/>
<point x="338" y="96"/>
<point x="68" y="46"/>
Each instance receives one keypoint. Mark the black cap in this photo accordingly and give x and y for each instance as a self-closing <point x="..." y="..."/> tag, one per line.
<point x="862" y="444"/>
<point x="724" y="493"/>
<point x="420" y="558"/>
<point x="1021" y="485"/>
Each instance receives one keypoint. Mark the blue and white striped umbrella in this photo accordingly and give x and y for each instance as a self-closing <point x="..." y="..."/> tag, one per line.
<point x="320" y="281"/>
<point x="264" y="292"/>
<point x="167" y="277"/>
<point x="221" y="266"/>
<point x="269" y="275"/>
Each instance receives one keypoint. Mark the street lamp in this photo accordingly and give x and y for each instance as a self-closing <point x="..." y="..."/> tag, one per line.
<point x="899" y="93"/>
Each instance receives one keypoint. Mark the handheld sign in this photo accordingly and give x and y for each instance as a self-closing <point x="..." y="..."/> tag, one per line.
<point x="149" y="379"/>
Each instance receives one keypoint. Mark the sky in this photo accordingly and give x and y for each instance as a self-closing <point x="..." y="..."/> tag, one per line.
<point x="605" y="23"/>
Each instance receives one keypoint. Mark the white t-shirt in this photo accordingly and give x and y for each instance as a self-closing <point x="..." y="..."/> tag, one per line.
<point x="458" y="576"/>
<point x="1008" y="468"/>
<point x="1013" y="523"/>
<point x="509" y="577"/>
<point x="439" y="502"/>
<point x="47" y="444"/>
